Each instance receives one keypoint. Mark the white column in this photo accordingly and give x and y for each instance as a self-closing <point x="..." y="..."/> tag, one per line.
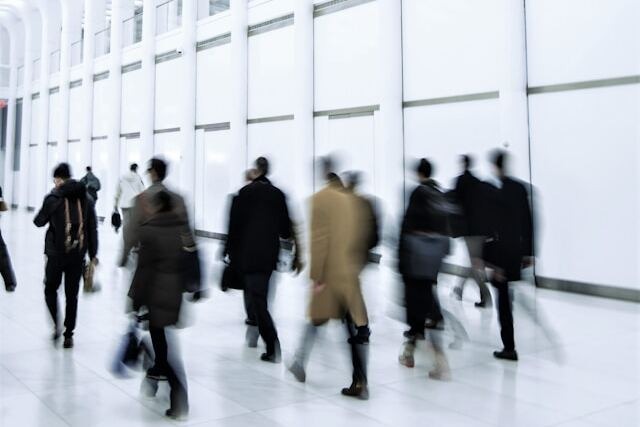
<point x="188" y="122"/>
<point x="304" y="99"/>
<point x="27" y="19"/>
<point x="239" y="60"/>
<point x="203" y="9"/>
<point x="118" y="9"/>
<point x="71" y="21"/>
<point x="91" y="11"/>
<point x="172" y="11"/>
<point x="149" y="78"/>
<point x="389" y="147"/>
<point x="514" y="121"/>
<point x="7" y="188"/>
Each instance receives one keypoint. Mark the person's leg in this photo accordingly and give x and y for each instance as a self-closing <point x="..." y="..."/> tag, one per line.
<point x="505" y="316"/>
<point x="359" y="344"/>
<point x="474" y="246"/>
<point x="258" y="286"/>
<point x="301" y="356"/>
<point x="416" y="301"/>
<point x="6" y="270"/>
<point x="176" y="377"/>
<point x="441" y="369"/>
<point x="52" y="281"/>
<point x="160" y="364"/>
<point x="72" y="275"/>
<point x="251" y="316"/>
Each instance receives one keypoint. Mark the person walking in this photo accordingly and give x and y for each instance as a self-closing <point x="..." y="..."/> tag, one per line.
<point x="509" y="246"/>
<point x="160" y="226"/>
<point x="92" y="183"/>
<point x="129" y="186"/>
<point x="339" y="241"/>
<point x="260" y="218"/>
<point x="6" y="269"/>
<point x="423" y="245"/>
<point x="70" y="213"/>
<point x="469" y="193"/>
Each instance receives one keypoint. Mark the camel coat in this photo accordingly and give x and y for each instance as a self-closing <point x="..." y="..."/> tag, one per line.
<point x="338" y="240"/>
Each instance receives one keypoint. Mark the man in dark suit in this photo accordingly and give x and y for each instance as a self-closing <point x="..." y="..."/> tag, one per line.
<point x="469" y="194"/>
<point x="509" y="247"/>
<point x="259" y="219"/>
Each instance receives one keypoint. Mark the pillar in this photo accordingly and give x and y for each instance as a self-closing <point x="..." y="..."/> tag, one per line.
<point x="239" y="60"/>
<point x="7" y="188"/>
<point x="149" y="78"/>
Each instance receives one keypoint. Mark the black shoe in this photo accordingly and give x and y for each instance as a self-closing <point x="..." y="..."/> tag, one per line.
<point x="55" y="337"/>
<point x="155" y="373"/>
<point x="176" y="415"/>
<point x="506" y="355"/>
<point x="10" y="288"/>
<point x="68" y="342"/>
<point x="270" y="357"/>
<point x="481" y="304"/>
<point x="358" y="390"/>
<point x="413" y="335"/>
<point x="434" y="324"/>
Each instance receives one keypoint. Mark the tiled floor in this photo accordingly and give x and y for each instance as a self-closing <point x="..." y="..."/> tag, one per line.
<point x="579" y="367"/>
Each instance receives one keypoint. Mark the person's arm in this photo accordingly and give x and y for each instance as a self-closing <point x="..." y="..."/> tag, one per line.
<point x="319" y="241"/>
<point x="92" y="229"/>
<point x="286" y="227"/>
<point x="98" y="185"/>
<point x="527" y="224"/>
<point x="116" y="200"/>
<point x="132" y="236"/>
<point x="229" y="245"/>
<point x="43" y="216"/>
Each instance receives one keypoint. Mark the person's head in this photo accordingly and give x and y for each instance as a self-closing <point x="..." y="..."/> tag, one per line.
<point x="353" y="180"/>
<point x="133" y="167"/>
<point x="61" y="173"/>
<point x="327" y="167"/>
<point x="466" y="161"/>
<point x="499" y="159"/>
<point x="262" y="166"/>
<point x="251" y="174"/>
<point x="424" y="169"/>
<point x="157" y="170"/>
<point x="88" y="169"/>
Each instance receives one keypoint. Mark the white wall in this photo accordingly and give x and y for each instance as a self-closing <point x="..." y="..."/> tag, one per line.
<point x="168" y="94"/>
<point x="132" y="102"/>
<point x="54" y="116"/>
<point x="100" y="166"/>
<point x="101" y="104"/>
<point x="76" y="109"/>
<point x="213" y="93"/>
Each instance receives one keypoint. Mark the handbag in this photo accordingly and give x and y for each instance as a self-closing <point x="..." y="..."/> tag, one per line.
<point x="116" y="220"/>
<point x="231" y="279"/>
<point x="423" y="254"/>
<point x="192" y="272"/>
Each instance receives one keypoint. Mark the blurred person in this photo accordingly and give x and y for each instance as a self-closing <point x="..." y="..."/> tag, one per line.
<point x="92" y="183"/>
<point x="70" y="212"/>
<point x="509" y="245"/>
<point x="129" y="186"/>
<point x="422" y="245"/>
<point x="469" y="193"/>
<point x="259" y="219"/>
<point x="160" y="226"/>
<point x="368" y="209"/>
<point x="339" y="238"/>
<point x="6" y="269"/>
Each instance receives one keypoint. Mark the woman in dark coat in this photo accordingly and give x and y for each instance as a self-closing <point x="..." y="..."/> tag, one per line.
<point x="159" y="282"/>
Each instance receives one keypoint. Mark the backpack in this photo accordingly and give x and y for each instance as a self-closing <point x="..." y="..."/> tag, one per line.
<point x="73" y="225"/>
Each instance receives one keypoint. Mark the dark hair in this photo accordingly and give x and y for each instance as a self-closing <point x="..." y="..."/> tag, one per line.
<point x="133" y="167"/>
<point x="88" y="168"/>
<point x="262" y="164"/>
<point x="353" y="179"/>
<point x="62" y="171"/>
<point x="467" y="160"/>
<point x="424" y="168"/>
<point x="499" y="159"/>
<point x="327" y="166"/>
<point x="159" y="166"/>
<point x="163" y="201"/>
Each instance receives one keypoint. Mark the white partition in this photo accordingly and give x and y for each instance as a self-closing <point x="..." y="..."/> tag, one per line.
<point x="76" y="112"/>
<point x="350" y="142"/>
<point x="167" y="146"/>
<point x="35" y="199"/>
<point x="275" y="141"/>
<point x="451" y="47"/>
<point x="101" y="106"/>
<point x="169" y="92"/>
<point x="346" y="58"/>
<point x="101" y="169"/>
<point x="574" y="40"/>
<point x="53" y="158"/>
<point x="584" y="154"/>
<point x="132" y="101"/>
<point x="35" y="122"/>
<point x="213" y="96"/>
<point x="213" y="168"/>
<point x="75" y="160"/>
<point x="271" y="63"/>
<point x="54" y="116"/>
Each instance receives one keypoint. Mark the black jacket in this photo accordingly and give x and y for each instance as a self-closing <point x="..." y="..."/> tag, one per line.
<point x="53" y="213"/>
<point x="471" y="194"/>
<point x="422" y="214"/>
<point x="258" y="219"/>
<point x="511" y="227"/>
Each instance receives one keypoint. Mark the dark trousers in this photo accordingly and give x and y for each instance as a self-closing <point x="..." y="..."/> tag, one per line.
<point x="6" y="270"/>
<point x="251" y="317"/>
<point x="358" y="342"/>
<point x="257" y="290"/>
<point x="421" y="302"/>
<point x="69" y="265"/>
<point x="505" y="315"/>
<point x="178" y="394"/>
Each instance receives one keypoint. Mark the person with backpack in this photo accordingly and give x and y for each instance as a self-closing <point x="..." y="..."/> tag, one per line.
<point x="92" y="183"/>
<point x="70" y="213"/>
<point x="6" y="270"/>
<point x="422" y="246"/>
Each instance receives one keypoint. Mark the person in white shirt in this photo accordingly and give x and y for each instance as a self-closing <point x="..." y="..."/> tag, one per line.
<point x="129" y="186"/>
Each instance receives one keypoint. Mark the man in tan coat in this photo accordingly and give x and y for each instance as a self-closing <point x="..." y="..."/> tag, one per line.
<point x="338" y="240"/>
